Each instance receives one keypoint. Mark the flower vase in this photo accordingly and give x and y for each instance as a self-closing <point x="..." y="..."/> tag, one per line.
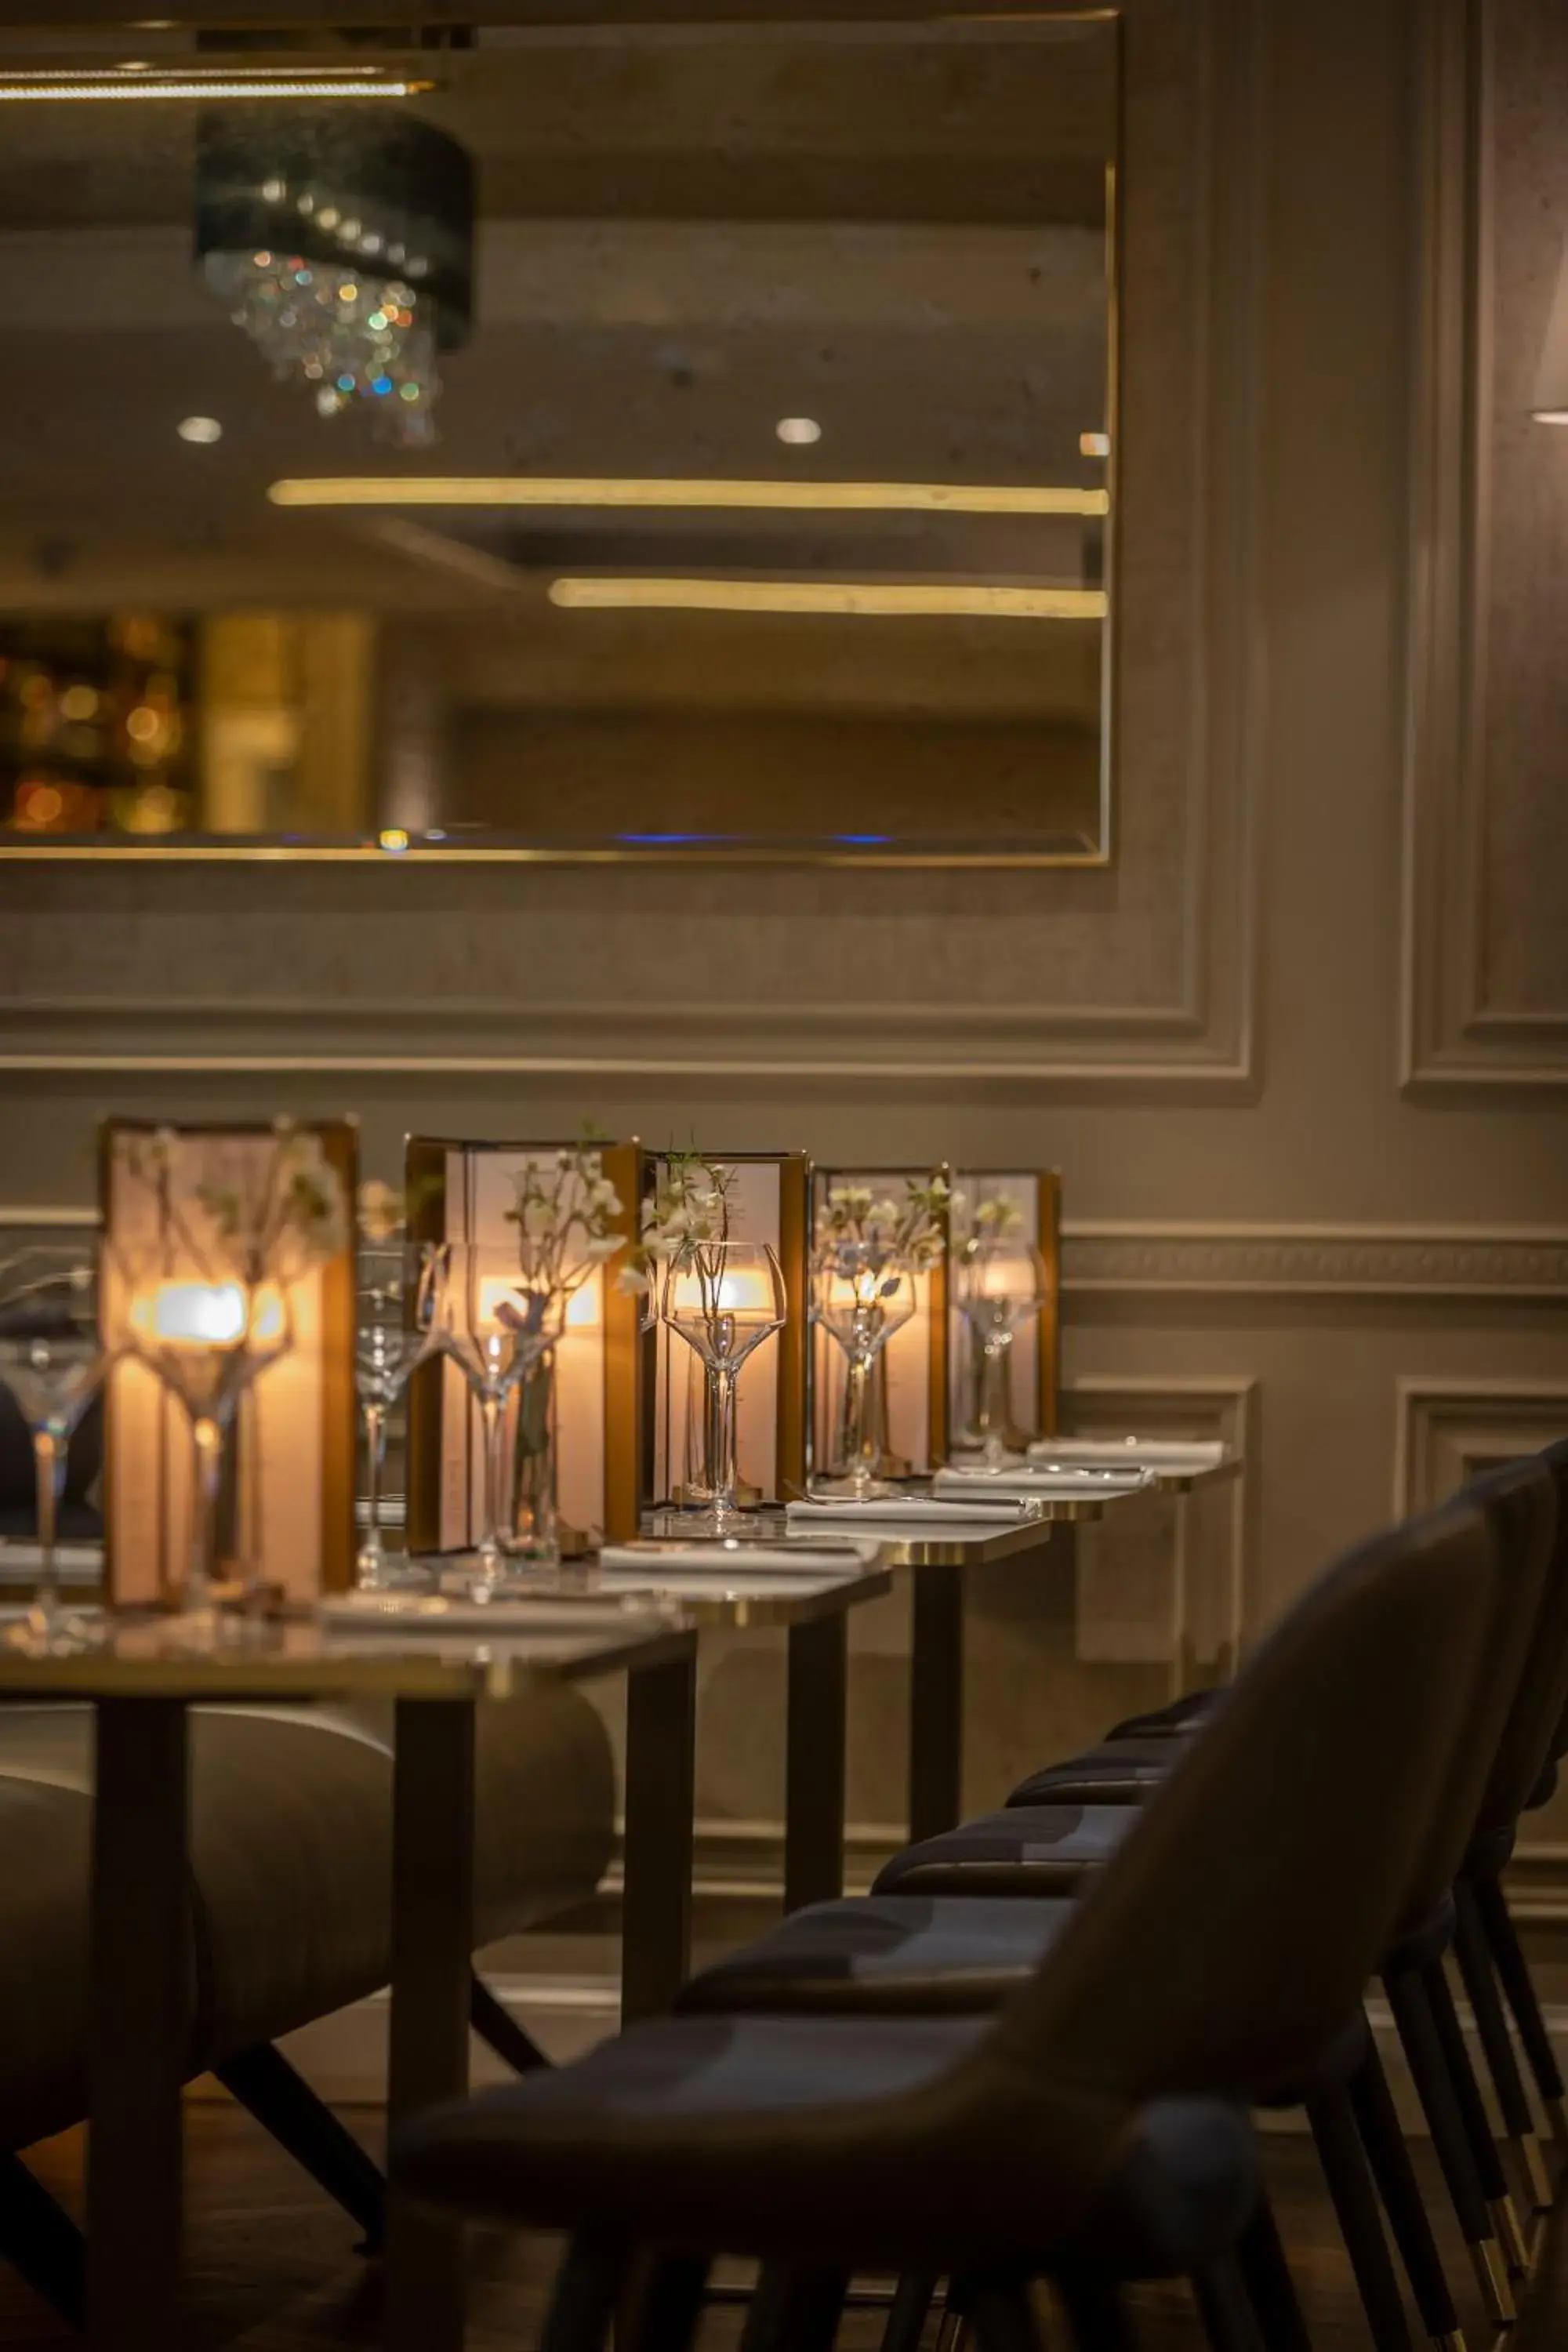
<point x="991" y="1428"/>
<point x="535" y="1532"/>
<point x="875" y="1424"/>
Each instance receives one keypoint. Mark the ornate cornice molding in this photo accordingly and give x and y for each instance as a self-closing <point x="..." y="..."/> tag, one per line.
<point x="1323" y="1261"/>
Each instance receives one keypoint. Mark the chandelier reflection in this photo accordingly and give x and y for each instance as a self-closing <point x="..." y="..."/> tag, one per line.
<point x="344" y="248"/>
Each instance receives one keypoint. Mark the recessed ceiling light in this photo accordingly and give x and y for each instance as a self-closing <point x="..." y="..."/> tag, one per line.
<point x="798" y="432"/>
<point x="1094" y="445"/>
<point x="204" y="430"/>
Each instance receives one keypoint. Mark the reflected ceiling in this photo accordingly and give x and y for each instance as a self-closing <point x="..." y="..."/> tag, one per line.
<point x="768" y="508"/>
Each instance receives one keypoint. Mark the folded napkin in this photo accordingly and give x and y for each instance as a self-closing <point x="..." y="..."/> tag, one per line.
<point x="1174" y="1455"/>
<point x="915" y="1511"/>
<point x="1019" y="1480"/>
<point x="719" y="1557"/>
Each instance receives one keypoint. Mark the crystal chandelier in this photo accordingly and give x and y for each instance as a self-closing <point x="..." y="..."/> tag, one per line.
<point x="344" y="248"/>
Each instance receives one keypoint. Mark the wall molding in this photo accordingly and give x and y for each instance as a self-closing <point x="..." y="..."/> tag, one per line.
<point x="1175" y="924"/>
<point x="1446" y="1430"/>
<point x="1151" y="1258"/>
<point x="1282" y="1259"/>
<point x="1449" y="1035"/>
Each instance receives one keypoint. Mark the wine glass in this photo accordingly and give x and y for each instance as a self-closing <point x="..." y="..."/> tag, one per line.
<point x="496" y="1327"/>
<point x="1000" y="1285"/>
<point x="861" y="1293"/>
<point x="395" y="1330"/>
<point x="53" y="1360"/>
<point x="209" y="1338"/>
<point x="724" y="1299"/>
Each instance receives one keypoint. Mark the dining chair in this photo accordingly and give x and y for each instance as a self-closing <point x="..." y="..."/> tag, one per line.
<point x="1095" y="2129"/>
<point x="933" y="1938"/>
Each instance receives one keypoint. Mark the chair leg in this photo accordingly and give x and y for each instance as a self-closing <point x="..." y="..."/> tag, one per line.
<point x="41" y="2241"/>
<point x="1003" y="2316"/>
<point x="952" y="2329"/>
<point x="1229" y="2320"/>
<point x="283" y="2104"/>
<point x="660" y="2305"/>
<point x="794" y="2309"/>
<point x="1388" y="2154"/>
<point x="1476" y="2120"/>
<point x="1434" y="2087"/>
<point x="1270" y="2289"/>
<point x="1474" y="1955"/>
<point x="1496" y="1923"/>
<point x="1096" y="2312"/>
<point x="501" y="2033"/>
<point x="1344" y="2160"/>
<point x="585" y="2295"/>
<point x="912" y="2300"/>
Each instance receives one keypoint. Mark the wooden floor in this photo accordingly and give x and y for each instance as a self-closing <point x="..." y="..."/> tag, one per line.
<point x="273" y="2267"/>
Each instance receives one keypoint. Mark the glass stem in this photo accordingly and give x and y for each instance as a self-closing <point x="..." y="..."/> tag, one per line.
<point x="996" y="1415"/>
<point x="721" y="1465"/>
<point x="206" y="1469"/>
<point x="372" y="1555"/>
<point x="50" y="1466"/>
<point x="492" y="1411"/>
<point x="862" y="1452"/>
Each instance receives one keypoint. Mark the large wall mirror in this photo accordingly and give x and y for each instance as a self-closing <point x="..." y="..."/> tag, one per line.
<point x="655" y="440"/>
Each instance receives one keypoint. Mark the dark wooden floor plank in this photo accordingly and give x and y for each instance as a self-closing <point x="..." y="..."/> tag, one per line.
<point x="273" y="2266"/>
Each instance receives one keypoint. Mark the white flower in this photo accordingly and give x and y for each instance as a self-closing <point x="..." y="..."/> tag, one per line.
<point x="564" y="1161"/>
<point x="883" y="1212"/>
<point x="380" y="1210"/>
<point x="631" y="1281"/>
<point x="591" y="1167"/>
<point x="537" y="1220"/>
<point x="600" y="1246"/>
<point x="601" y="1194"/>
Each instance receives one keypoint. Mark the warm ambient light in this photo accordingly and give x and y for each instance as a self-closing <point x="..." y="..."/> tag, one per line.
<point x="983" y="602"/>
<point x="806" y="498"/>
<point x="78" y="84"/>
<point x="1094" y="445"/>
<point x="392" y="836"/>
<point x="798" y="432"/>
<point x="207" y="1314"/>
<point x="202" y="430"/>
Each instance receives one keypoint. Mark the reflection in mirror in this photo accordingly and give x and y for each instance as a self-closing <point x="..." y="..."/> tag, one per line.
<point x="652" y="438"/>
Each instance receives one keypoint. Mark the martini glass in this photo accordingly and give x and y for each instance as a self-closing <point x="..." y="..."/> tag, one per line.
<point x="52" y="1358"/>
<point x="861" y="1293"/>
<point x="394" y="1332"/>
<point x="1000" y="1286"/>
<point x="723" y="1298"/>
<point x="496" y="1327"/>
<point x="209" y="1340"/>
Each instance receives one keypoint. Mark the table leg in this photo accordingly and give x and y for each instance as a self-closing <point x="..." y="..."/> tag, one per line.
<point x="936" y="1701"/>
<point x="139" y="2031"/>
<point x="432" y="1956"/>
<point x="813" y="1761"/>
<point x="656" y="1903"/>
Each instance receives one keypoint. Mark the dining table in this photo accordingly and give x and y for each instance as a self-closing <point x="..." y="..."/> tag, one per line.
<point x="142" y="1675"/>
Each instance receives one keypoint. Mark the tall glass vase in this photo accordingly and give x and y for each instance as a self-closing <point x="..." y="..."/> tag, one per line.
<point x="534" y="1519"/>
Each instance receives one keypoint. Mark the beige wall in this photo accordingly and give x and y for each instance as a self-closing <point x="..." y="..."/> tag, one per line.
<point x="1316" y="1153"/>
